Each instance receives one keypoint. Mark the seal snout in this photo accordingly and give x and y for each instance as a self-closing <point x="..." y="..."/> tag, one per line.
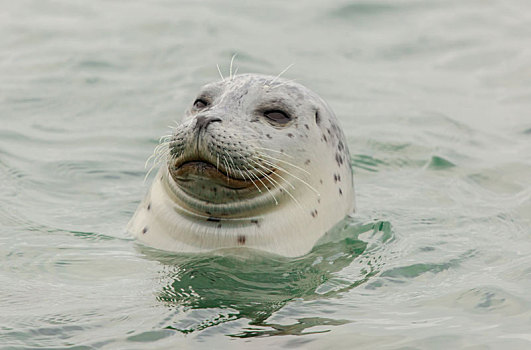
<point x="203" y="121"/>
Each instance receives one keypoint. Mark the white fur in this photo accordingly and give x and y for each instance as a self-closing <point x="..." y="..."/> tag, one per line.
<point x="289" y="228"/>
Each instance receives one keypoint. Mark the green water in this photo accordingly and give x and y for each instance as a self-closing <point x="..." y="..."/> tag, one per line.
<point x="435" y="100"/>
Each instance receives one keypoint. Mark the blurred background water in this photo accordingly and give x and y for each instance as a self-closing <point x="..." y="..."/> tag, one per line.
<point x="435" y="100"/>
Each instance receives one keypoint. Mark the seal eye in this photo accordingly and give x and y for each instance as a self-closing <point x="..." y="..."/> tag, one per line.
<point x="277" y="117"/>
<point x="200" y="104"/>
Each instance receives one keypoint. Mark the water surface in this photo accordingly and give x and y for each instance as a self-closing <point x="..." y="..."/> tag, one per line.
<point x="435" y="100"/>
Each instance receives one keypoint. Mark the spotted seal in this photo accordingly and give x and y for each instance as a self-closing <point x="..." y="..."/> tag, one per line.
<point x="257" y="162"/>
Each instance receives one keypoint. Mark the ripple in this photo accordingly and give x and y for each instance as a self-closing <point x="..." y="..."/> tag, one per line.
<point x="255" y="285"/>
<point x="485" y="300"/>
<point x="440" y="163"/>
<point x="366" y="162"/>
<point x="367" y="10"/>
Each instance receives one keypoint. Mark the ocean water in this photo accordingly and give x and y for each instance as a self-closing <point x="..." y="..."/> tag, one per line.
<point x="435" y="100"/>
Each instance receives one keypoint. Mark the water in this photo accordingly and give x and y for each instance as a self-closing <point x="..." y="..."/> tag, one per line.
<point x="434" y="97"/>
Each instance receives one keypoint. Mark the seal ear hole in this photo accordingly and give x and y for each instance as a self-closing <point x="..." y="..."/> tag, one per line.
<point x="317" y="118"/>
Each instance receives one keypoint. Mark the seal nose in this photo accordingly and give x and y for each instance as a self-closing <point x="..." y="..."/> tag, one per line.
<point x="202" y="121"/>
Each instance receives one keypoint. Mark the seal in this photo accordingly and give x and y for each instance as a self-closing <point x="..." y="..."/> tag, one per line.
<point x="257" y="161"/>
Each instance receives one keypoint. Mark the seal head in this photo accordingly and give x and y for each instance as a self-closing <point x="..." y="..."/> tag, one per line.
<point x="257" y="161"/>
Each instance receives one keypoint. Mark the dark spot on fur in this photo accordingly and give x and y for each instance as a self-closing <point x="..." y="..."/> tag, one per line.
<point x="340" y="192"/>
<point x="219" y="225"/>
<point x="149" y="206"/>
<point x="241" y="239"/>
<point x="317" y="118"/>
<point x="145" y="230"/>
<point x="213" y="219"/>
<point x="307" y="162"/>
<point x="319" y="200"/>
<point x="268" y="136"/>
<point x="339" y="159"/>
<point x="321" y="181"/>
<point x="306" y="126"/>
<point x="324" y="138"/>
<point x="255" y="222"/>
<point x="340" y="146"/>
<point x="335" y="178"/>
<point x="290" y="135"/>
<point x="314" y="213"/>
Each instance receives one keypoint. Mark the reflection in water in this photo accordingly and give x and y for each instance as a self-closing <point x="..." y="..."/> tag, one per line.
<point x="244" y="283"/>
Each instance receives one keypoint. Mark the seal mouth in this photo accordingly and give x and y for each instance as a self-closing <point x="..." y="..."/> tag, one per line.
<point x="201" y="170"/>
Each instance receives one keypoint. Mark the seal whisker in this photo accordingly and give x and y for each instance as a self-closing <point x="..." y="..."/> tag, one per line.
<point x="278" y="76"/>
<point x="285" y="162"/>
<point x="232" y="161"/>
<point x="226" y="166"/>
<point x="156" y="152"/>
<point x="267" y="176"/>
<point x="263" y="184"/>
<point x="243" y="176"/>
<point x="161" y="147"/>
<point x="219" y="71"/>
<point x="273" y="166"/>
<point x="246" y="170"/>
<point x="230" y="158"/>
<point x="161" y="153"/>
<point x="158" y="159"/>
<point x="160" y="156"/>
<point x="164" y="137"/>
<point x="283" y="83"/>
<point x="250" y="179"/>
<point x="301" y="180"/>
<point x="152" y="156"/>
<point x="272" y="150"/>
<point x="147" y="174"/>
<point x="268" y="179"/>
<point x="230" y="69"/>
<point x="276" y="167"/>
<point x="258" y="178"/>
<point x="273" y="182"/>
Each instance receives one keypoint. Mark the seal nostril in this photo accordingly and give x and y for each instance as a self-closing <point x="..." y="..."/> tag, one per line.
<point x="202" y="121"/>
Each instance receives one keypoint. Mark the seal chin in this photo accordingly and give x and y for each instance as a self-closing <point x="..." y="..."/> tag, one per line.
<point x="204" y="187"/>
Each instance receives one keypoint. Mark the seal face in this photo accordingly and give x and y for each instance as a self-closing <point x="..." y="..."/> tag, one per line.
<point x="258" y="162"/>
